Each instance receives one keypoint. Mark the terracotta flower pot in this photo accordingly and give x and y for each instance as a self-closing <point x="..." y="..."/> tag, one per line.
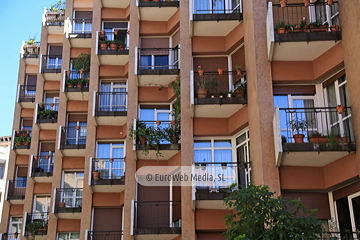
<point x="201" y="72"/>
<point x="103" y="46"/>
<point x="41" y="104"/>
<point x="142" y="140"/>
<point x="81" y="71"/>
<point x="335" y="28"/>
<point x="61" y="204"/>
<point x="306" y="3"/>
<point x="47" y="157"/>
<point x="283" y="3"/>
<point x="69" y="72"/>
<point x="319" y="139"/>
<point x="116" y="32"/>
<point x="281" y="30"/>
<point x="96" y="175"/>
<point x="52" y="104"/>
<point x="299" y="138"/>
<point x="202" y="93"/>
<point x="111" y="160"/>
<point x="298" y="29"/>
<point x="174" y="139"/>
<point x="78" y="85"/>
<point x="220" y="71"/>
<point x="330" y="2"/>
<point x="77" y="127"/>
<point x="70" y="85"/>
<point x="122" y="47"/>
<point x="173" y="122"/>
<point x="240" y="93"/>
<point x="25" y="143"/>
<point x="36" y="157"/>
<point x="114" y="46"/>
<point x="340" y="109"/>
<point x="158" y="123"/>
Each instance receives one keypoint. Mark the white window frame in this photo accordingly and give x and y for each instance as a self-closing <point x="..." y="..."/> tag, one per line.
<point x="125" y="86"/>
<point x="11" y="222"/>
<point x="75" y="184"/>
<point x="110" y="154"/>
<point x="48" y="201"/>
<point x="83" y="24"/>
<point x="78" y="133"/>
<point x="113" y="29"/>
<point x="51" y="158"/>
<point x="156" y="111"/>
<point x="69" y="235"/>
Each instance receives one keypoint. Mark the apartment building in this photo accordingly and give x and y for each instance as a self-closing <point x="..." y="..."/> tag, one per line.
<point x="77" y="131"/>
<point x="5" y="143"/>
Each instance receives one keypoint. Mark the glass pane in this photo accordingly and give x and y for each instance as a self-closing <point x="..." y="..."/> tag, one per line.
<point x="202" y="143"/>
<point x="145" y="62"/>
<point x="103" y="150"/>
<point x="161" y="62"/>
<point x="222" y="156"/>
<point x="200" y="6"/>
<point x="118" y="153"/>
<point x="147" y="114"/>
<point x="202" y="156"/>
<point x="222" y="143"/>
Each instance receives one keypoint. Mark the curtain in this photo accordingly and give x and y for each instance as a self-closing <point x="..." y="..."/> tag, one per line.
<point x="88" y="26"/>
<point x="78" y="27"/>
<point x="104" y="104"/>
<point x="119" y="99"/>
<point x="201" y="6"/>
<point x="145" y="62"/>
<point x="161" y="61"/>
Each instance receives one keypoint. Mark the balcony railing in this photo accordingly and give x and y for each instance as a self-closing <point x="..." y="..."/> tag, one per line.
<point x="76" y="81"/>
<point x="216" y="7"/>
<point x="111" y="170"/>
<point x="36" y="223"/>
<point x="105" y="235"/>
<point x="154" y="216"/>
<point x="10" y="236"/>
<point x="47" y="113"/>
<point x="32" y="50"/>
<point x="16" y="189"/>
<point x="158" y="58"/>
<point x="160" y="4"/>
<point x="120" y="35"/>
<point x="42" y="166"/>
<point x="159" y="132"/>
<point x="73" y="137"/>
<point x="68" y="200"/>
<point x="54" y="18"/>
<point x="27" y="93"/>
<point x="111" y="104"/>
<point x="22" y="139"/>
<point x="51" y="63"/>
<point x="80" y="28"/>
<point x="324" y="126"/>
<point x="300" y="17"/>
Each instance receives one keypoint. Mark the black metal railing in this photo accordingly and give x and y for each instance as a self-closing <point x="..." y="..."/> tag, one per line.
<point x="217" y="85"/>
<point x="295" y="14"/>
<point x="42" y="166"/>
<point x="16" y="189"/>
<point x="111" y="102"/>
<point x="22" y="139"/>
<point x="157" y="214"/>
<point x="76" y="81"/>
<point x="109" y="168"/>
<point x="318" y="125"/>
<point x="31" y="49"/>
<point x="105" y="235"/>
<point x="68" y="200"/>
<point x="217" y="7"/>
<point x="120" y="35"/>
<point x="27" y="93"/>
<point x="51" y="63"/>
<point x="36" y="223"/>
<point x="47" y="113"/>
<point x="73" y="137"/>
<point x="159" y="58"/>
<point x="10" y="236"/>
<point x="82" y="25"/>
<point x="161" y="132"/>
<point x="224" y="173"/>
<point x="54" y="18"/>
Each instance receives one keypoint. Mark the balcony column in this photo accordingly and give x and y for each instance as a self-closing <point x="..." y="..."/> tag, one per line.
<point x="260" y="96"/>
<point x="348" y="11"/>
<point x="187" y="132"/>
<point x="132" y="113"/>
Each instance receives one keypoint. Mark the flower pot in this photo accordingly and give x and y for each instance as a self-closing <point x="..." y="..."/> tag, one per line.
<point x="281" y="30"/>
<point x="298" y="29"/>
<point x="52" y="104"/>
<point x="70" y="85"/>
<point x="173" y="122"/>
<point x="103" y="46"/>
<point x="81" y="71"/>
<point x="61" y="204"/>
<point x="122" y="47"/>
<point x="318" y="139"/>
<point x="41" y="104"/>
<point x="174" y="139"/>
<point x="142" y="140"/>
<point x="201" y="72"/>
<point x="158" y="123"/>
<point x="116" y="32"/>
<point x="114" y="46"/>
<point x="340" y="109"/>
<point x="240" y="92"/>
<point x="306" y="3"/>
<point x="239" y="72"/>
<point x="111" y="160"/>
<point x="283" y="3"/>
<point x="220" y="71"/>
<point x="324" y="28"/>
<point x="124" y="159"/>
<point x="330" y="2"/>
<point x="102" y="35"/>
<point x="299" y="138"/>
<point x="77" y="127"/>
<point x="25" y="143"/>
<point x="202" y="93"/>
<point x="96" y="175"/>
<point x="335" y="28"/>
<point x="69" y="72"/>
<point x="78" y="85"/>
<point x="47" y="156"/>
<point x="36" y="157"/>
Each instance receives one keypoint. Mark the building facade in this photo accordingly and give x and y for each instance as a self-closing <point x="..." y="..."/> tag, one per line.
<point x="5" y="143"/>
<point x="183" y="83"/>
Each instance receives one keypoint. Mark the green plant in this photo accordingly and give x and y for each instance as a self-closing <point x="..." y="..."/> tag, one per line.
<point x="279" y="25"/>
<point x="283" y="139"/>
<point x="237" y="67"/>
<point x="48" y="114"/>
<point x="201" y="83"/>
<point x="82" y="81"/>
<point x="316" y="24"/>
<point x="171" y="131"/>
<point x="299" y="124"/>
<point x="33" y="227"/>
<point x="212" y="84"/>
<point x="59" y="6"/>
<point x="82" y="62"/>
<point x="19" y="140"/>
<point x="27" y="139"/>
<point x="31" y="41"/>
<point x="71" y="81"/>
<point x="303" y="23"/>
<point x="107" y="42"/>
<point x="241" y="86"/>
<point x="118" y="42"/>
<point x="260" y="214"/>
<point x="333" y="138"/>
<point x="176" y="110"/>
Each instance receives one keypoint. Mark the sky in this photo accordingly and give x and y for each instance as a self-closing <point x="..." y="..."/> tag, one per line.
<point x="19" y="20"/>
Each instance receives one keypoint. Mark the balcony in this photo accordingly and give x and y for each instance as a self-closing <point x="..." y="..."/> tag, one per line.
<point x="50" y="67"/>
<point x="26" y="96"/>
<point x="9" y="236"/>
<point x="116" y="55"/>
<point x="68" y="203"/>
<point x="219" y="99"/>
<point x="111" y="174"/>
<point x="36" y="225"/>
<point x="110" y="108"/>
<point x="16" y="191"/>
<point x="299" y="33"/>
<point x="156" y="220"/>
<point x="155" y="139"/>
<point x="211" y="194"/>
<point x="21" y="142"/>
<point x="157" y="66"/>
<point x="73" y="140"/>
<point x="115" y="3"/>
<point x="104" y="235"/>
<point x="215" y="18"/>
<point x="42" y="168"/>
<point x="47" y="115"/>
<point x="312" y="136"/>
<point x="157" y="10"/>
<point x="79" y="32"/>
<point x="30" y="53"/>
<point x="76" y="85"/>
<point x="53" y="21"/>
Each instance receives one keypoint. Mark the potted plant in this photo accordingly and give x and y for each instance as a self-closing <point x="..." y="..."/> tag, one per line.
<point x="200" y="71"/>
<point x="104" y="44"/>
<point x="299" y="124"/>
<point x="172" y="134"/>
<point x="202" y="91"/>
<point x="240" y="90"/>
<point x="330" y="2"/>
<point x="340" y="109"/>
<point x="282" y="3"/>
<point x="306" y="3"/>
<point x="238" y="70"/>
<point x="102" y="35"/>
<point x="303" y="25"/>
<point x="335" y="28"/>
<point x="96" y="175"/>
<point x="158" y="123"/>
<point x="280" y="27"/>
<point x="316" y="137"/>
<point x="19" y="140"/>
<point x="71" y="82"/>
<point x="220" y="71"/>
<point x="82" y="63"/>
<point x="111" y="160"/>
<point x="61" y="204"/>
<point x="114" y="45"/>
<point x="121" y="45"/>
<point x="27" y="141"/>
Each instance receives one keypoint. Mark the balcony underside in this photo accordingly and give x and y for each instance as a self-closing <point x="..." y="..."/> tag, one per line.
<point x="31" y="59"/>
<point x="108" y="185"/>
<point x="313" y="155"/>
<point x="217" y="25"/>
<point x="47" y="124"/>
<point x="42" y="177"/>
<point x="77" y="94"/>
<point x="302" y="50"/>
<point x="111" y="117"/>
<point x="167" y="151"/>
<point x="115" y="3"/>
<point x="113" y="57"/>
<point x="80" y="40"/>
<point x="73" y="150"/>
<point x="27" y="102"/>
<point x="68" y="213"/>
<point x="217" y="107"/>
<point x="55" y="27"/>
<point x="157" y="11"/>
<point x="51" y="74"/>
<point x="22" y="149"/>
<point x="16" y="199"/>
<point x="157" y="233"/>
<point x="156" y="77"/>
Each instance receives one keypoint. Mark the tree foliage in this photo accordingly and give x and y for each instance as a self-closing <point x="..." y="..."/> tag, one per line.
<point x="259" y="214"/>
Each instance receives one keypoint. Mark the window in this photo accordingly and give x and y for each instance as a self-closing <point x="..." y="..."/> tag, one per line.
<point x="15" y="225"/>
<point x="21" y="177"/>
<point x="116" y="30"/>
<point x="2" y="170"/>
<point x="82" y="22"/>
<point x="54" y="60"/>
<point x="69" y="235"/>
<point x="161" y="58"/>
<point x="107" y="169"/>
<point x="30" y="89"/>
<point x="74" y="181"/>
<point x="26" y="124"/>
<point x="76" y="136"/>
<point x="325" y="13"/>
<point x="112" y="96"/>
<point x="215" y="6"/>
<point x="41" y="204"/>
<point x="155" y="112"/>
<point x="51" y="101"/>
